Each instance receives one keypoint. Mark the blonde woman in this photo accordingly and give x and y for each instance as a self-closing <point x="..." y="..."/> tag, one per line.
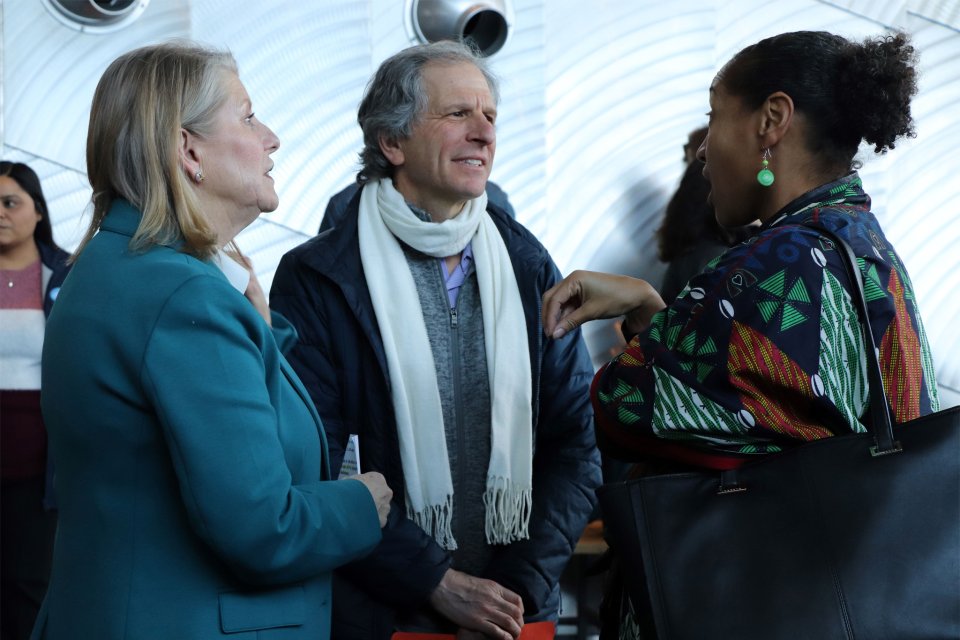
<point x="195" y="492"/>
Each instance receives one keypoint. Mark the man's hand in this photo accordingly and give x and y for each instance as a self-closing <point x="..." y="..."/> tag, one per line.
<point x="480" y="605"/>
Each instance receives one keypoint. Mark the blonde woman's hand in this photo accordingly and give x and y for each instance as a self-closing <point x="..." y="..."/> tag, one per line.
<point x="376" y="484"/>
<point x="254" y="292"/>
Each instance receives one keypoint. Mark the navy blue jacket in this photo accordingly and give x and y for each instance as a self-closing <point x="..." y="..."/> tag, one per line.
<point x="320" y="287"/>
<point x="55" y="259"/>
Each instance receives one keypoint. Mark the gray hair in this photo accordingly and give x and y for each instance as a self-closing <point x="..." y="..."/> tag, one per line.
<point x="395" y="98"/>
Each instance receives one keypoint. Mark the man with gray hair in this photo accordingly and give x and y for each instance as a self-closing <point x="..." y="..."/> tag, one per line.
<point x="419" y="322"/>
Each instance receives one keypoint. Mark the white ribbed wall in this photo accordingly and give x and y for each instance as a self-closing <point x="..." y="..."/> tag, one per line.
<point x="597" y="100"/>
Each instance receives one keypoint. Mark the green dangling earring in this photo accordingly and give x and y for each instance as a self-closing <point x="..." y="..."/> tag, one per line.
<point x="765" y="177"/>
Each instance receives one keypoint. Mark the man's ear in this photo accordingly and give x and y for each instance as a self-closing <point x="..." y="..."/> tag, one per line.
<point x="190" y="157"/>
<point x="776" y="117"/>
<point x="392" y="149"/>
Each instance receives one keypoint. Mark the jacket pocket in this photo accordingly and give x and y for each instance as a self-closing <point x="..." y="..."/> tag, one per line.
<point x="267" y="609"/>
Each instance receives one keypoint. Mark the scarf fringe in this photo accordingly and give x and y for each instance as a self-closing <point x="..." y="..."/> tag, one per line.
<point x="507" y="507"/>
<point x="436" y="520"/>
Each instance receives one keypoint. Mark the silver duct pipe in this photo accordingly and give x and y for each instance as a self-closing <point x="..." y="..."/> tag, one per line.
<point x="482" y="22"/>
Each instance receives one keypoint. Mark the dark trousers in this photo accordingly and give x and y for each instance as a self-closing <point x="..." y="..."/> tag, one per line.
<point x="26" y="552"/>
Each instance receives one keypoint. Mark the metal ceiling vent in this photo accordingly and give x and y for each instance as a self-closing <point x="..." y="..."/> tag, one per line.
<point x="481" y="22"/>
<point x="96" y="16"/>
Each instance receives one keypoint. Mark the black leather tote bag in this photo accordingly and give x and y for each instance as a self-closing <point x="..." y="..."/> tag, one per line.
<point x="853" y="536"/>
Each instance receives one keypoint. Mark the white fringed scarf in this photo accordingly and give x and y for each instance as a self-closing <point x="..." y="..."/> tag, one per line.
<point x="385" y="217"/>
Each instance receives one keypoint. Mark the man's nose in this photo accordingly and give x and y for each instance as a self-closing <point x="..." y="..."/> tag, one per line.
<point x="483" y="130"/>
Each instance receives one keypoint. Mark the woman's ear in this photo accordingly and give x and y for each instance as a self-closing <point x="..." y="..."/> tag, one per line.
<point x="392" y="150"/>
<point x="776" y="116"/>
<point x="189" y="154"/>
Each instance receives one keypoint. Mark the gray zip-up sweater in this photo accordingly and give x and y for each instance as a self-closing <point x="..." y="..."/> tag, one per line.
<point x="457" y="345"/>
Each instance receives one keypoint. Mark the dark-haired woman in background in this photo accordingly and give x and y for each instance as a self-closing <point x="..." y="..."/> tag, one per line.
<point x="32" y="268"/>
<point x="690" y="236"/>
<point x="764" y="351"/>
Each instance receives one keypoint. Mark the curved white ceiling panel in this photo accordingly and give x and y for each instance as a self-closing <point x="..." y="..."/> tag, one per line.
<point x="597" y="99"/>
<point x="305" y="69"/>
<point x="305" y="66"/>
<point x="626" y="83"/>
<point x="51" y="70"/>
<point x="920" y="211"/>
<point x="521" y="165"/>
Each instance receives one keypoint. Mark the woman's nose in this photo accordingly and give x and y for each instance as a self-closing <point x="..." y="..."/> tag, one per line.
<point x="272" y="141"/>
<point x="702" y="150"/>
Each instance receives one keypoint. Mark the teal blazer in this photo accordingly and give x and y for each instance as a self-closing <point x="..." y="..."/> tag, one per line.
<point x="192" y="473"/>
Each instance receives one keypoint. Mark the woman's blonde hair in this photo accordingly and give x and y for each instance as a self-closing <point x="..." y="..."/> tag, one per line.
<point x="143" y="100"/>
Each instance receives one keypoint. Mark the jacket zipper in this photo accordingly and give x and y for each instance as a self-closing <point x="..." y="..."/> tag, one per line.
<point x="457" y="399"/>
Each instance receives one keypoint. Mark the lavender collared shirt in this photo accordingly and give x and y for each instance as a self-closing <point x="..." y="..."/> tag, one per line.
<point x="456" y="278"/>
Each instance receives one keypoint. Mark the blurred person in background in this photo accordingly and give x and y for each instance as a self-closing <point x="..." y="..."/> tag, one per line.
<point x="690" y="236"/>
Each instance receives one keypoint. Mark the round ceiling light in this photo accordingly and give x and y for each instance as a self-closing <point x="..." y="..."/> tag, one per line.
<point x="96" y="16"/>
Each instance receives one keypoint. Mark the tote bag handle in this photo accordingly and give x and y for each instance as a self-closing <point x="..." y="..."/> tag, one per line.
<point x="881" y="425"/>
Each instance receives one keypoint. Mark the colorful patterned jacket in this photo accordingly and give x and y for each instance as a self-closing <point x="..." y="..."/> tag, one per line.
<point x="763" y="350"/>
